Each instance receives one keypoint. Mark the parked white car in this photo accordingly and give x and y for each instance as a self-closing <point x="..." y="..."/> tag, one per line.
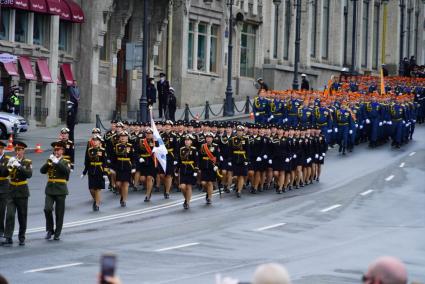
<point x="11" y="123"/>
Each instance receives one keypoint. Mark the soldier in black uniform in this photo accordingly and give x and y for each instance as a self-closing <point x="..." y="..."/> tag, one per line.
<point x="281" y="159"/>
<point x="69" y="147"/>
<point x="4" y="187"/>
<point x="57" y="169"/>
<point x="209" y="152"/>
<point x="225" y="159"/>
<point x="146" y="163"/>
<point x="188" y="169"/>
<point x="239" y="158"/>
<point x="258" y="159"/>
<point x="96" y="168"/>
<point x="123" y="164"/>
<point x="170" y="142"/>
<point x="163" y="87"/>
<point x="20" y="170"/>
<point x="110" y="143"/>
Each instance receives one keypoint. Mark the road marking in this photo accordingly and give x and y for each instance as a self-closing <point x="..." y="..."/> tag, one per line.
<point x="366" y="192"/>
<point x="121" y="215"/>
<point x="411" y="154"/>
<point x="270" y="227"/>
<point x="389" y="178"/>
<point x="53" y="267"/>
<point x="402" y="165"/>
<point x="178" y="247"/>
<point x="330" y="208"/>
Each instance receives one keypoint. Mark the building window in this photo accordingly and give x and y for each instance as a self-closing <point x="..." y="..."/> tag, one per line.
<point x="313" y="28"/>
<point x="104" y="51"/>
<point x="202" y="47"/>
<point x="287" y="32"/>
<point x="41" y="30"/>
<point x="214" y="48"/>
<point x="325" y="29"/>
<point x="375" y="55"/>
<point x="4" y="24"/>
<point x="65" y="36"/>
<point x="248" y="38"/>
<point x="190" y="45"/>
<point x="365" y="32"/>
<point x="21" y="26"/>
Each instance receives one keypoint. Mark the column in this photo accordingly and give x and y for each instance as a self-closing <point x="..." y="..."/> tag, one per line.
<point x="52" y="89"/>
<point x="208" y="55"/>
<point x="306" y="20"/>
<point x="195" y="46"/>
<point x="30" y="28"/>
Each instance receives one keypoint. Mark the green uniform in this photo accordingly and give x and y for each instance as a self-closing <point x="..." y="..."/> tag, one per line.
<point x="4" y="191"/>
<point x="18" y="198"/>
<point x="56" y="192"/>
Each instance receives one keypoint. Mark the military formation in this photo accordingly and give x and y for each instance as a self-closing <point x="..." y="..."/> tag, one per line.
<point x="350" y="111"/>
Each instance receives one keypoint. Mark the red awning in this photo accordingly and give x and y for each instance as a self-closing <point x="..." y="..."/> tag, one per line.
<point x="38" y="6"/>
<point x="16" y="4"/>
<point x="11" y="68"/>
<point x="67" y="74"/>
<point x="43" y="71"/>
<point x="65" y="13"/>
<point x="54" y="7"/>
<point x="26" y="67"/>
<point x="76" y="11"/>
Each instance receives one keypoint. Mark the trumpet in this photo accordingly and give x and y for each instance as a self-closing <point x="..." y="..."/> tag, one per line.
<point x="49" y="162"/>
<point x="10" y="163"/>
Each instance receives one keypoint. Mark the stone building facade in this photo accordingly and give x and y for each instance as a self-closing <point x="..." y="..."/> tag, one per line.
<point x="188" y="41"/>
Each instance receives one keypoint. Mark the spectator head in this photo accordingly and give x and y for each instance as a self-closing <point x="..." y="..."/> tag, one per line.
<point x="3" y="280"/>
<point x="303" y="76"/>
<point x="386" y="270"/>
<point x="271" y="273"/>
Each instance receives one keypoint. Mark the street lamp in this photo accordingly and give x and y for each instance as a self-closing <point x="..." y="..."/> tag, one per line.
<point x="144" y="100"/>
<point x="295" y="84"/>
<point x="354" y="37"/>
<point x="228" y="107"/>
<point x="402" y="8"/>
<point x="276" y="29"/>
<point x="384" y="30"/>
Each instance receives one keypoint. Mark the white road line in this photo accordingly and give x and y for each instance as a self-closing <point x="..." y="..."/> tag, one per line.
<point x="389" y="178"/>
<point x="402" y="165"/>
<point x="411" y="154"/>
<point x="366" y="192"/>
<point x="121" y="215"/>
<point x="177" y="247"/>
<point x="270" y="227"/>
<point x="53" y="267"/>
<point x="330" y="208"/>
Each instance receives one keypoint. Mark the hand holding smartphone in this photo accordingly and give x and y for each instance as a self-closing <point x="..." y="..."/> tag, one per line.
<point x="108" y="265"/>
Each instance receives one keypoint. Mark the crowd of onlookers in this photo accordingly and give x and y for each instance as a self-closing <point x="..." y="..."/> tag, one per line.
<point x="411" y="69"/>
<point x="384" y="270"/>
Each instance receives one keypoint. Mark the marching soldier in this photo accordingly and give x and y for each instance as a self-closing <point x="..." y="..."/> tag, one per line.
<point x="146" y="163"/>
<point x="57" y="169"/>
<point x="239" y="158"/>
<point x="4" y="186"/>
<point x="69" y="153"/>
<point x="20" y="170"/>
<point x="208" y="164"/>
<point x="170" y="142"/>
<point x="188" y="169"/>
<point x="96" y="168"/>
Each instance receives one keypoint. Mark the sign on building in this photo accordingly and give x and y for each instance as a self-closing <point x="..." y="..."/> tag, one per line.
<point x="133" y="56"/>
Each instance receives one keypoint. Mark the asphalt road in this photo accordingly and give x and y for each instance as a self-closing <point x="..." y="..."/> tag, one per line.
<point x="367" y="204"/>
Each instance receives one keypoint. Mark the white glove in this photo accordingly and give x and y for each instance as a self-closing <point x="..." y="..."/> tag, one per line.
<point x="258" y="159"/>
<point x="321" y="158"/>
<point x="361" y="127"/>
<point x="195" y="174"/>
<point x="55" y="160"/>
<point x="105" y="177"/>
<point x="336" y="130"/>
<point x="230" y="164"/>
<point x="270" y="118"/>
<point x="414" y="121"/>
<point x="384" y="122"/>
<point x="357" y="125"/>
<point x="308" y="160"/>
<point x="108" y="161"/>
<point x="323" y="154"/>
<point x="404" y="122"/>
<point x="287" y="160"/>
<point x="408" y="124"/>
<point x="215" y="168"/>
<point x="265" y="157"/>
<point x="351" y="131"/>
<point x="390" y="123"/>
<point x="245" y="163"/>
<point x="294" y="156"/>
<point x="257" y="114"/>
<point x="221" y="159"/>
<point x="380" y="123"/>
<point x="82" y="176"/>
<point x="175" y="163"/>
<point x="329" y="130"/>
<point x="141" y="160"/>
<point x="270" y="162"/>
<point x="133" y="171"/>
<point x="16" y="164"/>
<point x="51" y="157"/>
<point x="367" y="121"/>
<point x="316" y="156"/>
<point x="176" y="174"/>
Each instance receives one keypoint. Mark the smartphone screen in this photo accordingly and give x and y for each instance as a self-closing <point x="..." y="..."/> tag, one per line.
<point x="108" y="264"/>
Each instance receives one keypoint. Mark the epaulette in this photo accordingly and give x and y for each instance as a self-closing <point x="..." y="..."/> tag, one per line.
<point x="191" y="147"/>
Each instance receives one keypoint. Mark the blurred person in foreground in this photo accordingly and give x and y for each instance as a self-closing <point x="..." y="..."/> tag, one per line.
<point x="271" y="273"/>
<point x="386" y="270"/>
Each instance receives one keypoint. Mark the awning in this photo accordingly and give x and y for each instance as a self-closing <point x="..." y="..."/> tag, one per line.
<point x="54" y="7"/>
<point x="77" y="13"/>
<point x="38" y="6"/>
<point x="11" y="68"/>
<point x="26" y="67"/>
<point x="65" y="13"/>
<point x="16" y="4"/>
<point x="67" y="74"/>
<point x="43" y="71"/>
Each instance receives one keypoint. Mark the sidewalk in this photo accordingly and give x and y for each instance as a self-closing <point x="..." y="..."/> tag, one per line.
<point x="82" y="132"/>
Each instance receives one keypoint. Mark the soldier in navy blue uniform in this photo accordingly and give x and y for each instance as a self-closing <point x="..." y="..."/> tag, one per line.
<point x="239" y="157"/>
<point x="188" y="160"/>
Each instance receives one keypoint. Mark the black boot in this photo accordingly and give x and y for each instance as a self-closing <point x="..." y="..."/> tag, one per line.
<point x="7" y="242"/>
